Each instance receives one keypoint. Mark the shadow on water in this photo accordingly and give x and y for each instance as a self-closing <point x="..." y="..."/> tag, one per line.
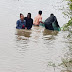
<point x="23" y="33"/>
<point x="49" y="32"/>
<point x="22" y="40"/>
<point x="49" y="35"/>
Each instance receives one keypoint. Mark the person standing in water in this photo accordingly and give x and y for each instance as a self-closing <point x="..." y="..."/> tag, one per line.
<point x="38" y="19"/>
<point x="49" y="22"/>
<point x="21" y="23"/>
<point x="29" y="21"/>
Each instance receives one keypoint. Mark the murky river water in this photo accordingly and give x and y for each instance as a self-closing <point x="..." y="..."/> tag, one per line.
<point x="37" y="50"/>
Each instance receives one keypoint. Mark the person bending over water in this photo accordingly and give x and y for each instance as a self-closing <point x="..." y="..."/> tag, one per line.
<point x="49" y="21"/>
<point x="29" y="21"/>
<point x="38" y="19"/>
<point x="21" y="23"/>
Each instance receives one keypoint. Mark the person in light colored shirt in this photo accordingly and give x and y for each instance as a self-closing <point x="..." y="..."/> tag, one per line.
<point x="38" y="19"/>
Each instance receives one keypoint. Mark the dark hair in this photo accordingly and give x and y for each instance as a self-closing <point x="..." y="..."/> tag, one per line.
<point x="29" y="14"/>
<point x="40" y="12"/>
<point x="21" y="14"/>
<point x="52" y="14"/>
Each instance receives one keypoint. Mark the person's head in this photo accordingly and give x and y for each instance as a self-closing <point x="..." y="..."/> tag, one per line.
<point x="40" y="12"/>
<point x="21" y="16"/>
<point x="29" y="15"/>
<point x="52" y="14"/>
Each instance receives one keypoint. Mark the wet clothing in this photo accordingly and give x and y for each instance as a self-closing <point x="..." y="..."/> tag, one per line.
<point x="49" y="26"/>
<point x="20" y="24"/>
<point x="49" y="21"/>
<point x="37" y="19"/>
<point x="29" y="22"/>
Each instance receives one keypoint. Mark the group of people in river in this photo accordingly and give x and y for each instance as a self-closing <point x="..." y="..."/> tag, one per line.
<point x="27" y="22"/>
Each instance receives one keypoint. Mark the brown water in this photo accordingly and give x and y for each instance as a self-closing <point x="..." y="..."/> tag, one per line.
<point x="36" y="50"/>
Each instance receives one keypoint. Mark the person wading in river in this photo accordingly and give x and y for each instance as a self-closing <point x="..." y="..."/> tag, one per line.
<point x="29" y="21"/>
<point x="38" y="19"/>
<point x="49" y="21"/>
<point x="21" y="23"/>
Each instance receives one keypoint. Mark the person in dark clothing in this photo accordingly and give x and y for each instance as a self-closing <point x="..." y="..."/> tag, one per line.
<point x="29" y="21"/>
<point x="49" y="21"/>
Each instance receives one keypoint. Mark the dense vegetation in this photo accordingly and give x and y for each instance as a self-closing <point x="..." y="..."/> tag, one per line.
<point x="68" y="12"/>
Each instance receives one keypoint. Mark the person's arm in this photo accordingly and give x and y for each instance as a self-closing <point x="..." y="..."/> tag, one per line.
<point x="25" y="24"/>
<point x="17" y="25"/>
<point x="55" y="20"/>
<point x="57" y="23"/>
<point x="40" y="20"/>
